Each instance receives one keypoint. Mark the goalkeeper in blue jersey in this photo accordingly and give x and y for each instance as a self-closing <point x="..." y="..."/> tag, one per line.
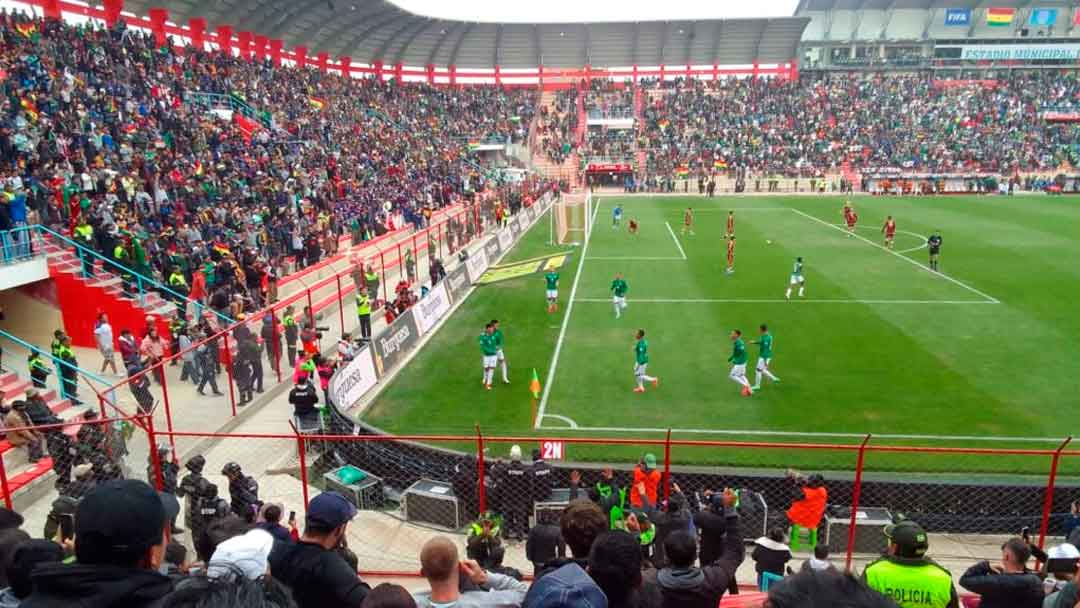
<point x="616" y="216"/>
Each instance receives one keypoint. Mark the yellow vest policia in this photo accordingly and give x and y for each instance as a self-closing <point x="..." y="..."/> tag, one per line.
<point x="918" y="584"/>
<point x="363" y="304"/>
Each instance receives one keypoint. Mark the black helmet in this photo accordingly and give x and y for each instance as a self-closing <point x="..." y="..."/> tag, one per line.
<point x="231" y="469"/>
<point x="196" y="464"/>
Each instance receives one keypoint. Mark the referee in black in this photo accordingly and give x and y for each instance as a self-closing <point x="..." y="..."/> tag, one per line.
<point x="934" y="244"/>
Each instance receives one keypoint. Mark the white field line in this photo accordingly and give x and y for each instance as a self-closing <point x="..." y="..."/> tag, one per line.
<point x="676" y="239"/>
<point x="779" y="301"/>
<point x="635" y="258"/>
<point x="565" y="324"/>
<point x="761" y="433"/>
<point x="989" y="298"/>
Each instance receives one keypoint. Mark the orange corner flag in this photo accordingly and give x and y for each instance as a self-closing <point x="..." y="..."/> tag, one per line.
<point x="534" y="385"/>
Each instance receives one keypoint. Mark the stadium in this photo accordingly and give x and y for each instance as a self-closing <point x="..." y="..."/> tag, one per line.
<point x="408" y="303"/>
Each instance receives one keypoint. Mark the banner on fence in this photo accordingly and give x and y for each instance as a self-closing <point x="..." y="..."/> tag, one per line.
<point x="395" y="342"/>
<point x="457" y="281"/>
<point x="1012" y="52"/>
<point x="492" y="249"/>
<point x="476" y="264"/>
<point x="523" y="221"/>
<point x="516" y="270"/>
<point x="429" y="310"/>
<point x="506" y="239"/>
<point x="350" y="384"/>
<point x="515" y="227"/>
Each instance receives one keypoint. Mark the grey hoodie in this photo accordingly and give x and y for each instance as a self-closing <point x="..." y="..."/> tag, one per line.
<point x="8" y="599"/>
<point x="504" y="592"/>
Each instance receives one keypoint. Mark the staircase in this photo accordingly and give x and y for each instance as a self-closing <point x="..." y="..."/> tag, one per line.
<point x="540" y="161"/>
<point x="582" y="118"/>
<point x="849" y="173"/>
<point x="639" y="130"/>
<point x="27" y="480"/>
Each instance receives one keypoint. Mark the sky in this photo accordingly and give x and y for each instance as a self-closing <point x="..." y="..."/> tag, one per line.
<point x="569" y="11"/>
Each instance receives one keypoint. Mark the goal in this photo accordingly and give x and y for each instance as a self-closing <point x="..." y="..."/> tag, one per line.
<point x="571" y="218"/>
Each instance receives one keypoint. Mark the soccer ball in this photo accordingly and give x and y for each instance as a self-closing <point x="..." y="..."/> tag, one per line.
<point x="768" y="242"/>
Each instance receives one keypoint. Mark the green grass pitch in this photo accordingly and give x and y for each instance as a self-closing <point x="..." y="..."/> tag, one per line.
<point x="879" y="345"/>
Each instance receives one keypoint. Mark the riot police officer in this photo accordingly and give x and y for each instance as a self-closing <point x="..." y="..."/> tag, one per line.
<point x="540" y="478"/>
<point x="243" y="492"/>
<point x="515" y="494"/>
<point x="170" y="471"/>
<point x="189" y="487"/>
<point x="62" y="515"/>
<point x="208" y="506"/>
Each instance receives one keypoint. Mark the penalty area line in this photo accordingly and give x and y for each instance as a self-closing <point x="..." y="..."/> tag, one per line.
<point x="781" y="301"/>
<point x="959" y="283"/>
<point x="676" y="239"/>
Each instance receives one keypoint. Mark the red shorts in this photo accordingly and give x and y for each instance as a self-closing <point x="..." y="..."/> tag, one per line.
<point x="851" y="223"/>
<point x="730" y="259"/>
<point x="890" y="235"/>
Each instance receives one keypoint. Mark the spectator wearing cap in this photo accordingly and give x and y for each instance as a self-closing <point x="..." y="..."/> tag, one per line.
<point x="645" y="473"/>
<point x="684" y="586"/>
<point x="304" y="398"/>
<point x="581" y="523"/>
<point x="1008" y="584"/>
<point x="1061" y="584"/>
<point x="906" y="575"/>
<point x="567" y="587"/>
<point x="121" y="532"/>
<point x="441" y="566"/>
<point x="317" y="575"/>
<point x="615" y="565"/>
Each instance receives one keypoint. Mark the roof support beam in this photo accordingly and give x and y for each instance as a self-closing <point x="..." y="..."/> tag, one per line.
<point x="586" y="45"/>
<point x="496" y="53"/>
<point x="761" y="37"/>
<point x="689" y="41"/>
<point x="637" y="37"/>
<point x="312" y="33"/>
<point x="380" y="53"/>
<point x="718" y="35"/>
<point x="457" y="44"/>
<point x="663" y="41"/>
<point x="373" y="27"/>
<point x="446" y="36"/>
<point x="537" y="45"/>
<point x="399" y="56"/>
<point x="889" y="12"/>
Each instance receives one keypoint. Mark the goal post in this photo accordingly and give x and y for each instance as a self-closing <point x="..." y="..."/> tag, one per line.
<point x="571" y="218"/>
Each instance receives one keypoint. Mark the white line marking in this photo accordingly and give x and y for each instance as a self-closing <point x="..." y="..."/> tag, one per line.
<point x="902" y="257"/>
<point x="569" y="421"/>
<point x="625" y="429"/>
<point x="726" y="209"/>
<point x="634" y="258"/>
<point x="565" y="324"/>
<point x="780" y="301"/>
<point x="676" y="239"/>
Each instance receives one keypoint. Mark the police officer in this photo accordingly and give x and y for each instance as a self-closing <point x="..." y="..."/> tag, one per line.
<point x="540" y="478"/>
<point x="906" y="575"/>
<point x="514" y="489"/>
<point x="243" y="492"/>
<point x="39" y="372"/>
<point x="189" y="486"/>
<point x="371" y="280"/>
<point x="69" y="378"/>
<point x="208" y="506"/>
<point x="62" y="514"/>
<point x="84" y="235"/>
<point x="170" y="471"/>
<point x="363" y="312"/>
<point x="292" y="333"/>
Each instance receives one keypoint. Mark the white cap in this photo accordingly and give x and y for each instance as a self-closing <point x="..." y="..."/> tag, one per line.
<point x="1063" y="551"/>
<point x="246" y="554"/>
<point x="515" y="452"/>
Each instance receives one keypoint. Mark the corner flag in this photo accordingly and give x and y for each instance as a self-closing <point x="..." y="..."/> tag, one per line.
<point x="534" y="385"/>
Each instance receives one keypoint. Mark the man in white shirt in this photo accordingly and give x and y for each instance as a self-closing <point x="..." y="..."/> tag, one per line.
<point x="441" y="566"/>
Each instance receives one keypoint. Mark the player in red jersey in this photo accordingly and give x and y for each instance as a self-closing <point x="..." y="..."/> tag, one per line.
<point x="889" y="229"/>
<point x="688" y="221"/>
<point x="633" y="226"/>
<point x="731" y="255"/>
<point x="850" y="218"/>
<point x="730" y="224"/>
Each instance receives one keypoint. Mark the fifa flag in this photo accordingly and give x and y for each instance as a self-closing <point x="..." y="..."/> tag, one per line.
<point x="1043" y="16"/>
<point x="1000" y="16"/>
<point x="957" y="17"/>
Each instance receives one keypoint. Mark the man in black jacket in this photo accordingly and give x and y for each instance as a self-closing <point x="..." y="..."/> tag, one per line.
<point x="121" y="533"/>
<point x="312" y="568"/>
<point x="243" y="492"/>
<point x="303" y="398"/>
<point x="684" y="586"/>
<point x="581" y="523"/>
<point x="1009" y="584"/>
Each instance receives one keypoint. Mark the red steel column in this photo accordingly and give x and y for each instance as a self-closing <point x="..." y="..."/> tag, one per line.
<point x="244" y="44"/>
<point x="260" y="47"/>
<point x="430" y="73"/>
<point x="345" y="63"/>
<point x="323" y="61"/>
<point x="398" y="69"/>
<point x="757" y="69"/>
<point x="157" y="24"/>
<point x="51" y="10"/>
<point x="224" y="38"/>
<point x="634" y="74"/>
<point x="275" y="51"/>
<point x="498" y="76"/>
<point x="197" y="31"/>
<point x="715" y="72"/>
<point x="378" y="70"/>
<point x="856" y="493"/>
<point x="112" y="11"/>
<point x="301" y="56"/>
<point x="540" y="75"/>
<point x="453" y="75"/>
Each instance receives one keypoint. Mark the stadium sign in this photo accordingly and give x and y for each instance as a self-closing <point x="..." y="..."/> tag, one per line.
<point x="429" y="310"/>
<point x="609" y="168"/>
<point x="476" y="264"/>
<point x="1017" y="52"/>
<point x="957" y="16"/>
<point x="350" y="384"/>
<point x="396" y="341"/>
<point x="492" y="249"/>
<point x="506" y="239"/>
<point x="457" y="281"/>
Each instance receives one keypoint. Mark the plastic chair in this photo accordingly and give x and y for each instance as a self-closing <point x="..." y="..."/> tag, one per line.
<point x="767" y="579"/>
<point x="795" y="534"/>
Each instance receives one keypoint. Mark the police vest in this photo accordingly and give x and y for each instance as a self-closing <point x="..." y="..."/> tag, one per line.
<point x="84" y="232"/>
<point x="363" y="305"/>
<point x="371" y="277"/>
<point x="923" y="585"/>
<point x="176" y="279"/>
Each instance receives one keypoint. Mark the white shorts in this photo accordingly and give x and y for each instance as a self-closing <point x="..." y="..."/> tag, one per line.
<point x="639" y="369"/>
<point x="797" y="279"/>
<point x="763" y="364"/>
<point x="738" y="371"/>
<point x="553" y="294"/>
<point x="619" y="300"/>
<point x="490" y="361"/>
<point x="499" y="356"/>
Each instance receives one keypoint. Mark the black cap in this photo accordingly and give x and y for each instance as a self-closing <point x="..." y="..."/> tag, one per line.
<point x="9" y="519"/>
<point x="909" y="538"/>
<point x="117" y="522"/>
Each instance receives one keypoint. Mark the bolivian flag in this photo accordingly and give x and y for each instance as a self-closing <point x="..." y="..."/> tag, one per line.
<point x="199" y="168"/>
<point x="27" y="30"/>
<point x="30" y="108"/>
<point x="719" y="164"/>
<point x="663" y="123"/>
<point x="473" y="145"/>
<point x="682" y="171"/>
<point x="317" y="103"/>
<point x="1000" y="16"/>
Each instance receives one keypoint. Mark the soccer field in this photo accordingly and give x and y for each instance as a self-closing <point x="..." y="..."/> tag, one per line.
<point x="880" y="344"/>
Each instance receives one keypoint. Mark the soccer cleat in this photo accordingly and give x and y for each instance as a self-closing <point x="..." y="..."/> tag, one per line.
<point x="487" y="387"/>
<point x="640" y="389"/>
<point x="746" y="392"/>
<point x="505" y="381"/>
<point x="656" y="382"/>
<point x="756" y="387"/>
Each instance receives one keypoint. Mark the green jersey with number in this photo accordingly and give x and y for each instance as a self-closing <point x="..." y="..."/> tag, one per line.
<point x="552" y="279"/>
<point x="641" y="352"/>
<point x="619" y="288"/>
<point x="488" y="346"/>
<point x="796" y="270"/>
<point x="498" y="335"/>
<point x="738" y="353"/>
<point x="765" y="346"/>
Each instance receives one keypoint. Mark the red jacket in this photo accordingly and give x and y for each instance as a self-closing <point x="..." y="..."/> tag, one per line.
<point x="652" y="484"/>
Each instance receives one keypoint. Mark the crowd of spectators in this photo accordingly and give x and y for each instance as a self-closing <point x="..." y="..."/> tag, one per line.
<point x="611" y="143"/>
<point x="557" y="126"/>
<point x="816" y="124"/>
<point x="606" y="99"/>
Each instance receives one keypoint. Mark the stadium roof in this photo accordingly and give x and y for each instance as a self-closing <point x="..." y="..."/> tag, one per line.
<point x="370" y="30"/>
<point x="827" y="5"/>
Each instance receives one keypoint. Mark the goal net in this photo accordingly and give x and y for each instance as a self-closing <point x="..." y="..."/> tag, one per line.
<point x="572" y="218"/>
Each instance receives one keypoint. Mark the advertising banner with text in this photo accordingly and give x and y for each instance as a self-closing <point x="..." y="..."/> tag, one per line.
<point x="350" y="384"/>
<point x="394" y="344"/>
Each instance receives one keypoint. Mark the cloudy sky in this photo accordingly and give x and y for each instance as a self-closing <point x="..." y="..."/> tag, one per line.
<point x="555" y="11"/>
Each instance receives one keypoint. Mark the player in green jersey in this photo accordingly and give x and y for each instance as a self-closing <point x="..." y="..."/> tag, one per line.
<point x="618" y="292"/>
<point x="489" y="349"/>
<point x="738" y="362"/>
<point x="552" y="279"/>
<point x="764" y="344"/>
<point x="499" y="345"/>
<point x="641" y="361"/>
<point x="796" y="279"/>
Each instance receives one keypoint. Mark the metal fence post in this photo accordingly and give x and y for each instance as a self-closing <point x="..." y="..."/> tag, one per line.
<point x="1048" y="500"/>
<point x="301" y="452"/>
<point x="229" y="374"/>
<point x="340" y="304"/>
<point x="155" y="458"/>
<point x="4" y="485"/>
<point x="382" y="269"/>
<point x="481" y="491"/>
<point x="310" y="307"/>
<point x="855" y="494"/>
<point x="168" y="408"/>
<point x="667" y="466"/>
